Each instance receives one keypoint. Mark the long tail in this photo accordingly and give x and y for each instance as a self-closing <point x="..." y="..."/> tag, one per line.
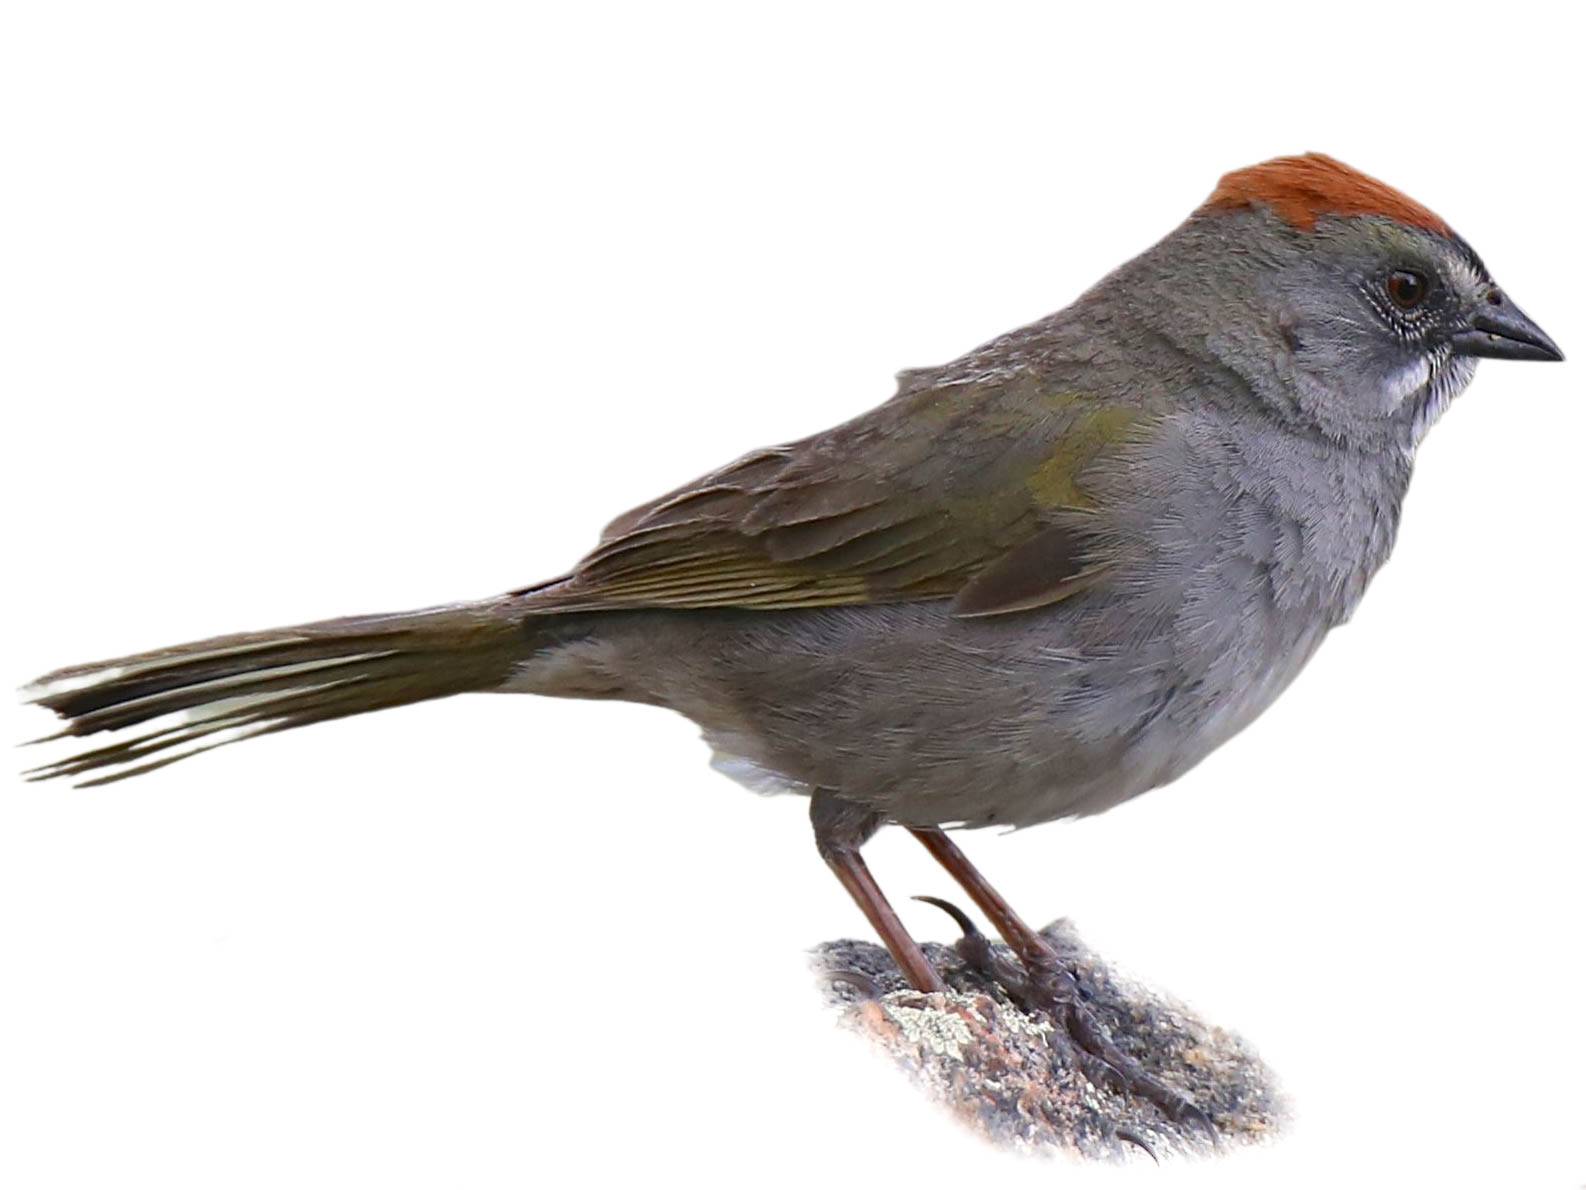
<point x="215" y="692"/>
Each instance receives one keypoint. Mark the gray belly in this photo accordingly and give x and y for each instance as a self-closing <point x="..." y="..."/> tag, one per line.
<point x="1014" y="720"/>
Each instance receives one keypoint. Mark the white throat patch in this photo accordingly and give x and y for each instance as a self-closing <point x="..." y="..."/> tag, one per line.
<point x="1449" y="376"/>
<point x="1409" y="381"/>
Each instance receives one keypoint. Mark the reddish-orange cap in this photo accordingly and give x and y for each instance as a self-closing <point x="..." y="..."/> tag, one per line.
<point x="1300" y="190"/>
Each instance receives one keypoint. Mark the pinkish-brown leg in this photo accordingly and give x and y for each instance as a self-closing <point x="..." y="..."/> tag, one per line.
<point x="841" y="828"/>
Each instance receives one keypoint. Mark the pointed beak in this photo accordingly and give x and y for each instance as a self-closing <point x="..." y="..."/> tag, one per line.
<point x="1499" y="329"/>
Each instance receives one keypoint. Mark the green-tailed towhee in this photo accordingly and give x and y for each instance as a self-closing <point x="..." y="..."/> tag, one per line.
<point x="1041" y="579"/>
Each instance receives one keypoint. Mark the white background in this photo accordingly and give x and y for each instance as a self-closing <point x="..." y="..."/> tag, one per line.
<point x="321" y="308"/>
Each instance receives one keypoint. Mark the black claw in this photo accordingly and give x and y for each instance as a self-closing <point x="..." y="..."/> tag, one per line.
<point x="974" y="948"/>
<point x="1190" y="1114"/>
<point x="953" y="911"/>
<point x="857" y="980"/>
<point x="1134" y="1138"/>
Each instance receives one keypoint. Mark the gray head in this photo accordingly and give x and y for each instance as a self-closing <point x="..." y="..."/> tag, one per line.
<point x="1347" y="305"/>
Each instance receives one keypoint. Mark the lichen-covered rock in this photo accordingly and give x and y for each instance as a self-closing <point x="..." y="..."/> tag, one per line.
<point x="999" y="1067"/>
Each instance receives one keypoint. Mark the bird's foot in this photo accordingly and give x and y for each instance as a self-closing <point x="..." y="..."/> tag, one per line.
<point x="1041" y="983"/>
<point x="1051" y="988"/>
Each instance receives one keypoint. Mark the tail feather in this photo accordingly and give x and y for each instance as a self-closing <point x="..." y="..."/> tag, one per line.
<point x="200" y="696"/>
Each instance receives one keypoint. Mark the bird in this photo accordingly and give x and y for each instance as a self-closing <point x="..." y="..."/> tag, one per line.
<point x="1041" y="579"/>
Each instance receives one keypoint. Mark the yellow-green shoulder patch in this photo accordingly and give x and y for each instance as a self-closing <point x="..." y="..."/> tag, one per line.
<point x="1055" y="483"/>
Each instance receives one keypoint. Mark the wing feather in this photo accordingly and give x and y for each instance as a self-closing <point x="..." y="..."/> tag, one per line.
<point x="972" y="492"/>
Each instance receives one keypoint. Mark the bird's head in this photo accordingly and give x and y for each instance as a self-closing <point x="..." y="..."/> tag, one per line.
<point x="1364" y="306"/>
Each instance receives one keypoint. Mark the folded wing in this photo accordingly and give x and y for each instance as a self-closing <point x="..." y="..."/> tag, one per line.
<point x="973" y="492"/>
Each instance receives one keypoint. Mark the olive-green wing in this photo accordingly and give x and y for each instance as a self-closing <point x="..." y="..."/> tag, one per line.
<point x="966" y="491"/>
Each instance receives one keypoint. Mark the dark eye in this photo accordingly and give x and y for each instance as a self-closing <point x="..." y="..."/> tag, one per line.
<point x="1407" y="289"/>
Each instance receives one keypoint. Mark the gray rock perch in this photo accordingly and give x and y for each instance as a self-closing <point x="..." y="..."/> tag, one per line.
<point x="996" y="1066"/>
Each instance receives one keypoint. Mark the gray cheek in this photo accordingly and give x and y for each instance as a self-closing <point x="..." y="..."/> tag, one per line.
<point x="1346" y="376"/>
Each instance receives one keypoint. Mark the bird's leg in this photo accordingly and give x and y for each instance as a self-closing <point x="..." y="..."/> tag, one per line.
<point x="841" y="828"/>
<point x="1053" y="988"/>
